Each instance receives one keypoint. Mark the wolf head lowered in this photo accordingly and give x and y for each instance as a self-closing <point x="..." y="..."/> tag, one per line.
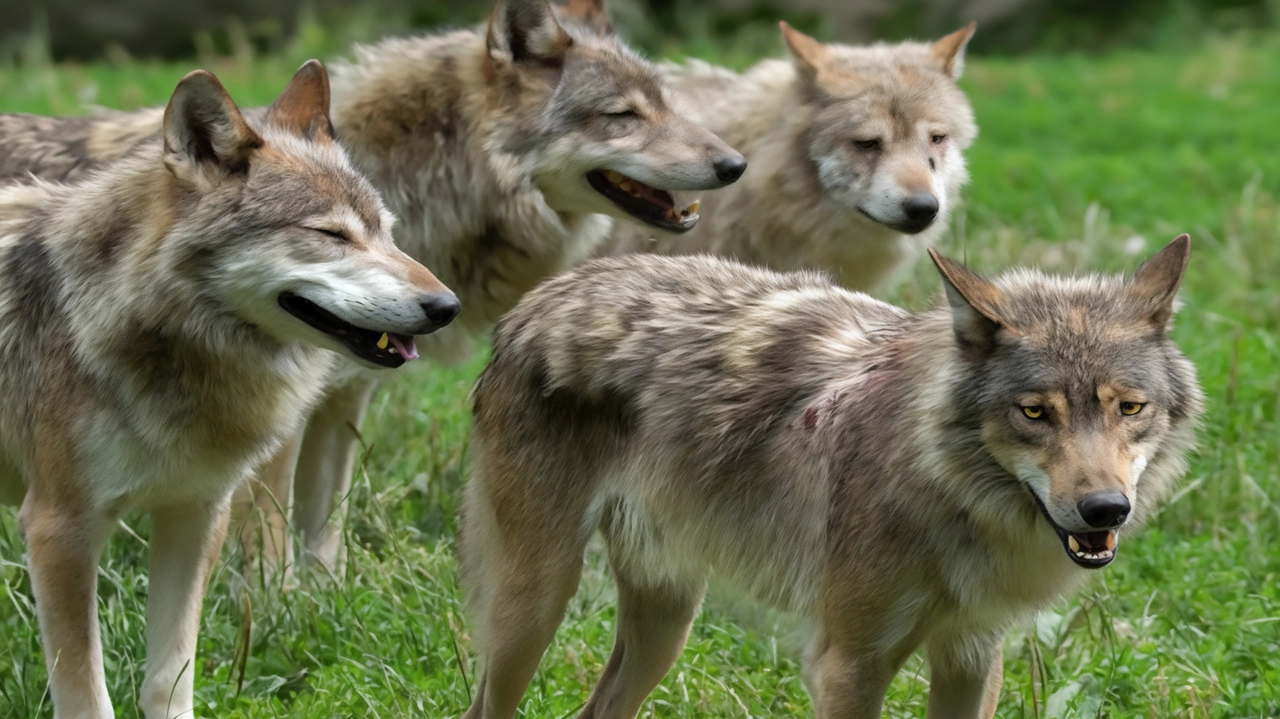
<point x="1075" y="389"/>
<point x="888" y="125"/>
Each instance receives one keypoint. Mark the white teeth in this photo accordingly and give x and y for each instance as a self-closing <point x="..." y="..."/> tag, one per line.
<point x="1107" y="553"/>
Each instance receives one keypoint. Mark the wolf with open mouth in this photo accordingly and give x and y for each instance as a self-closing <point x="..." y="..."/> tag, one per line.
<point x="857" y="157"/>
<point x="166" y="324"/>
<point x="906" y="480"/>
<point x="505" y="151"/>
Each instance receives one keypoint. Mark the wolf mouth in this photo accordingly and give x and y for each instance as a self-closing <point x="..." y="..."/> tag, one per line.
<point x="387" y="349"/>
<point x="647" y="204"/>
<point x="1091" y="550"/>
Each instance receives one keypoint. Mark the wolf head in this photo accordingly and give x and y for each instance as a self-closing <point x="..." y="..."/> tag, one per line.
<point x="287" y="233"/>
<point x="595" y="120"/>
<point x="886" y="125"/>
<point x="1078" y="390"/>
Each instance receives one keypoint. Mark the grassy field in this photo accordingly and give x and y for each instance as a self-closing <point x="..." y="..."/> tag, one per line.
<point x="1082" y="163"/>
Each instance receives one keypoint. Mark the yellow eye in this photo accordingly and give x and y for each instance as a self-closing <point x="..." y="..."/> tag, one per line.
<point x="1130" y="408"/>
<point x="1036" y="412"/>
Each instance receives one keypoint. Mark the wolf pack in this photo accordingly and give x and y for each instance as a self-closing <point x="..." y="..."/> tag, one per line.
<point x="672" y="264"/>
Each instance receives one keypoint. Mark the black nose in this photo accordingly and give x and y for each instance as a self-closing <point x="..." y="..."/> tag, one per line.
<point x="1104" y="509"/>
<point x="441" y="308"/>
<point x="730" y="167"/>
<point x="920" y="207"/>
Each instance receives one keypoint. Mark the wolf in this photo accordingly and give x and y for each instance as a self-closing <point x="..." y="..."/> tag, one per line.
<point x="903" y="480"/>
<point x="165" y="325"/>
<point x="857" y="157"/>
<point x="504" y="151"/>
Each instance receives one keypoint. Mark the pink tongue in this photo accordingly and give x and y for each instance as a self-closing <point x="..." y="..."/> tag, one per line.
<point x="408" y="351"/>
<point x="661" y="199"/>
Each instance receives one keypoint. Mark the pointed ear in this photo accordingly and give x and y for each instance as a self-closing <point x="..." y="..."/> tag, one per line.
<point x="1155" y="284"/>
<point x="303" y="107"/>
<point x="949" y="51"/>
<point x="204" y="130"/>
<point x="973" y="303"/>
<point x="526" y="31"/>
<point x="589" y="14"/>
<point x="810" y="55"/>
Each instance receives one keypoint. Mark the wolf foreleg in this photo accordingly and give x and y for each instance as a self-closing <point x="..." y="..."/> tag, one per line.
<point x="185" y="541"/>
<point x="965" y="677"/>
<point x="64" y="543"/>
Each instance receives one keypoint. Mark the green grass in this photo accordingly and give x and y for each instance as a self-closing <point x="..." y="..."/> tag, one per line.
<point x="1082" y="163"/>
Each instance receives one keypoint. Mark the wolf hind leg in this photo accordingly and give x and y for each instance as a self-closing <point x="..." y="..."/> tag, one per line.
<point x="521" y="563"/>
<point x="653" y="622"/>
<point x="260" y="511"/>
<point x="520" y="608"/>
<point x="325" y="464"/>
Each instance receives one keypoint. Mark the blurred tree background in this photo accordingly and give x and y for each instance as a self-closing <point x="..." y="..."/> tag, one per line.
<point x="84" y="30"/>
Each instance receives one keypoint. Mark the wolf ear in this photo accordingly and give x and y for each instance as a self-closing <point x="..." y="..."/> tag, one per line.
<point x="526" y="31"/>
<point x="204" y="130"/>
<point x="1155" y="284"/>
<point x="589" y="14"/>
<point x="949" y="51"/>
<point x="303" y="107"/>
<point x="810" y="55"/>
<point x="973" y="303"/>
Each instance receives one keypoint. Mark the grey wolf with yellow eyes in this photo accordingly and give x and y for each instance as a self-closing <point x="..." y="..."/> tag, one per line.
<point x="905" y="480"/>
<point x="165" y="326"/>
<point x="857" y="157"/>
<point x="503" y="151"/>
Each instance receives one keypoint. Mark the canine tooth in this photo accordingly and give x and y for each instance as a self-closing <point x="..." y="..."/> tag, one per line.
<point x="1111" y="541"/>
<point x="1071" y="542"/>
<point x="693" y="209"/>
<point x="625" y="185"/>
<point x="383" y="341"/>
<point x="616" y="178"/>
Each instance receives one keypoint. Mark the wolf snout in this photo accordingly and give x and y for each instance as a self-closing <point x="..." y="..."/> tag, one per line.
<point x="729" y="167"/>
<point x="1104" y="509"/>
<point x="440" y="309"/>
<point x="920" y="209"/>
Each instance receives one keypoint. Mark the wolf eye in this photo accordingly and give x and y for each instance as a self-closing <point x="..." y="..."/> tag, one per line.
<point x="867" y="144"/>
<point x="1131" y="408"/>
<point x="623" y="115"/>
<point x="938" y="139"/>
<point x="338" y="235"/>
<point x="1034" y="412"/>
